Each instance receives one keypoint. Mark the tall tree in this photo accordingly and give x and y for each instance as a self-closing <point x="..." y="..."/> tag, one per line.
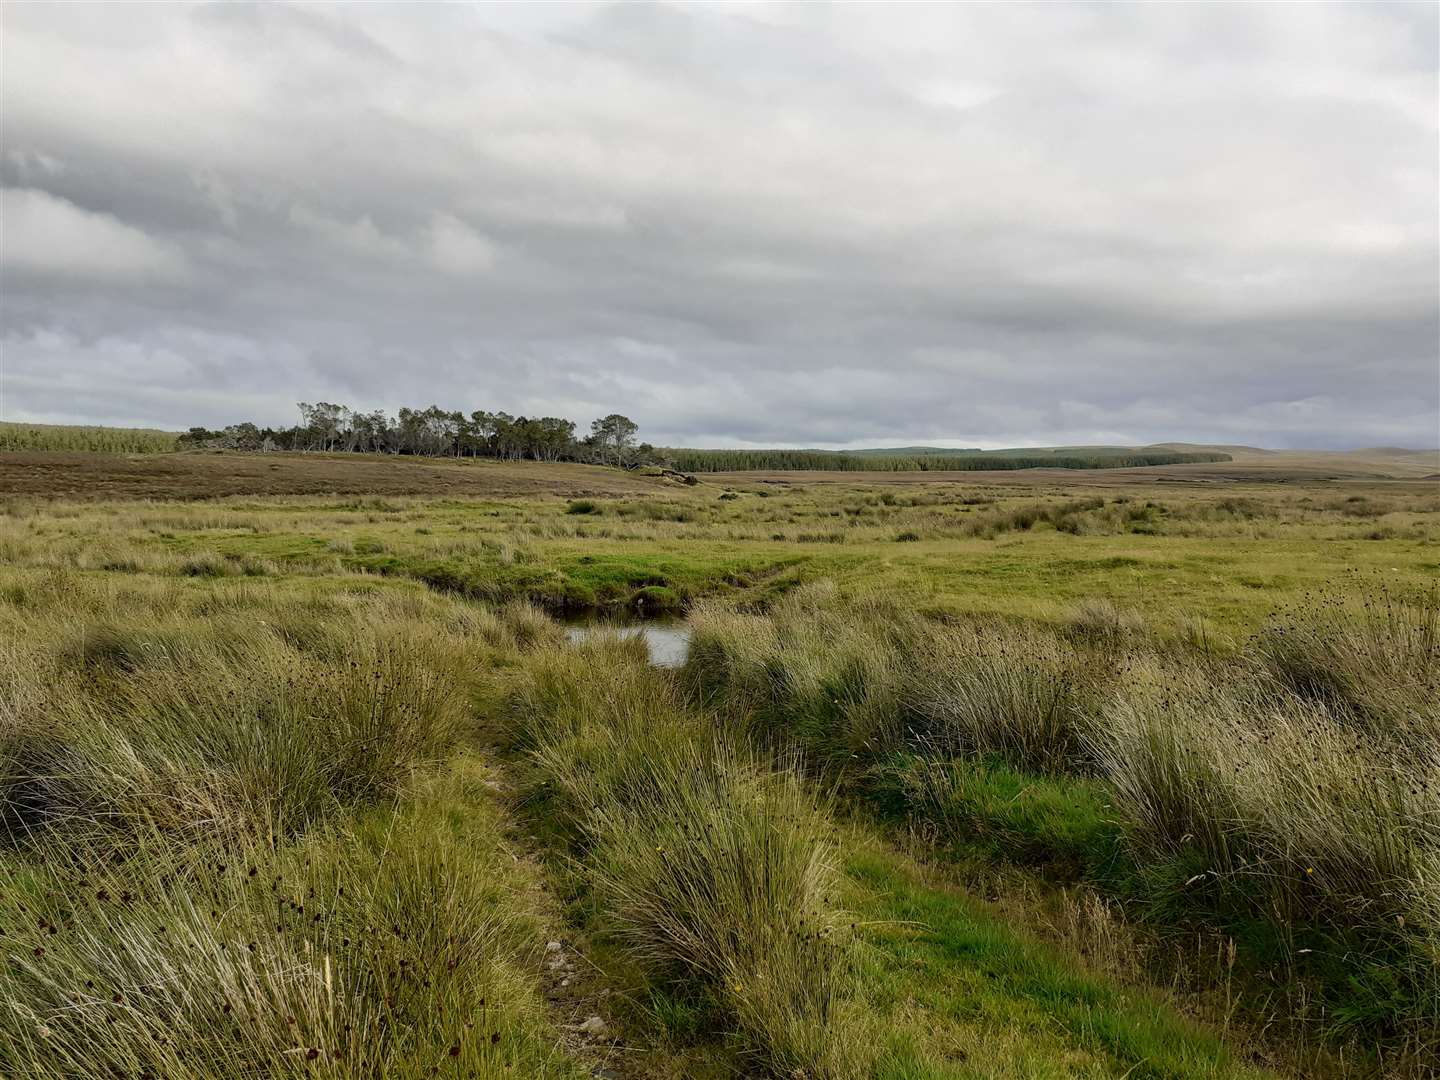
<point x="614" y="437"/>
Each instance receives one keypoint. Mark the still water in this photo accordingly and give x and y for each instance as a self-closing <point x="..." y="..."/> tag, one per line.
<point x="668" y="639"/>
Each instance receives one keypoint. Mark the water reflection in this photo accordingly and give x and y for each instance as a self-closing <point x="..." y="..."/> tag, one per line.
<point x="668" y="639"/>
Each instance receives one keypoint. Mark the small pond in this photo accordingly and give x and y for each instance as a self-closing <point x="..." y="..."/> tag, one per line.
<point x="667" y="637"/>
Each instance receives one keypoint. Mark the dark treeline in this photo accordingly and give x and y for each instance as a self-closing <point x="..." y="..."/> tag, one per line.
<point x="436" y="432"/>
<point x="739" y="460"/>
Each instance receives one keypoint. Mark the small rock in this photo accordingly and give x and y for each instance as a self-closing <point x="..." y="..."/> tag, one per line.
<point x="553" y="946"/>
<point x="595" y="1025"/>
<point x="565" y="982"/>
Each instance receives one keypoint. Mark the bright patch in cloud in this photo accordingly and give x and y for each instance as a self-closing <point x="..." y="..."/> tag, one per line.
<point x="44" y="235"/>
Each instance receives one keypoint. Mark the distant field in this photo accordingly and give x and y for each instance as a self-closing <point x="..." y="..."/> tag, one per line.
<point x="701" y="461"/>
<point x="1020" y="542"/>
<point x="1265" y="466"/>
<point x="199" y="475"/>
<point x="195" y="475"/>
<point x="62" y="437"/>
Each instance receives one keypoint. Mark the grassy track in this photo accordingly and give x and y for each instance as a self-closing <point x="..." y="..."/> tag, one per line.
<point x="968" y="995"/>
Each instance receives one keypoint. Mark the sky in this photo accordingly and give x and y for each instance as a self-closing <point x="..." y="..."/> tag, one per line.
<point x="739" y="224"/>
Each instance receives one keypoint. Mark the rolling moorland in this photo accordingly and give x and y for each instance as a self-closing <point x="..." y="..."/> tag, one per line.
<point x="1121" y="772"/>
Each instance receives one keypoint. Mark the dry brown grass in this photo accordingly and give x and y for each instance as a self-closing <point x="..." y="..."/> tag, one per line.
<point x="213" y="475"/>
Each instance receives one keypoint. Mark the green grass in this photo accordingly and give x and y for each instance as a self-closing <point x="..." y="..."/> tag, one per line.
<point x="971" y="996"/>
<point x="1068" y="826"/>
<point x="1201" y="556"/>
<point x="582" y="581"/>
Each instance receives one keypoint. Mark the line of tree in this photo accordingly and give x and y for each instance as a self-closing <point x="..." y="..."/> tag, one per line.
<point x="436" y="432"/>
<point x="695" y="461"/>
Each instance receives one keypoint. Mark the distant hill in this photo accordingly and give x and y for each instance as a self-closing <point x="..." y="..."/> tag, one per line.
<point x="1083" y="450"/>
<point x="1224" y="448"/>
<point x="1032" y="451"/>
<point x="1394" y="451"/>
<point x="911" y="451"/>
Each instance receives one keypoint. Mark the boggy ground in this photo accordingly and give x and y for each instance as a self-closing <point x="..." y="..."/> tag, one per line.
<point x="961" y="780"/>
<point x="1226" y="555"/>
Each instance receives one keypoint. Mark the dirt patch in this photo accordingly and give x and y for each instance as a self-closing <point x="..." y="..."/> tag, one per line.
<point x="212" y="475"/>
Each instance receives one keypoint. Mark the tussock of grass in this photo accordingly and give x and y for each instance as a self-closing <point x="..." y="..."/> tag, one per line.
<point x="1280" y="808"/>
<point x="867" y="679"/>
<point x="1376" y="661"/>
<point x="227" y="849"/>
<point x="1271" y="787"/>
<point x="1016" y="693"/>
<point x="387" y="945"/>
<point x="710" y="868"/>
<point x="235" y="726"/>
<point x="1102" y="622"/>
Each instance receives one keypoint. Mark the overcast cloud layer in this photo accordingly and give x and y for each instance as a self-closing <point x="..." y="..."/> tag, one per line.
<point x="778" y="225"/>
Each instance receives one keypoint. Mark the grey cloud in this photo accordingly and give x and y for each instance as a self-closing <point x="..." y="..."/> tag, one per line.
<point x="801" y="225"/>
